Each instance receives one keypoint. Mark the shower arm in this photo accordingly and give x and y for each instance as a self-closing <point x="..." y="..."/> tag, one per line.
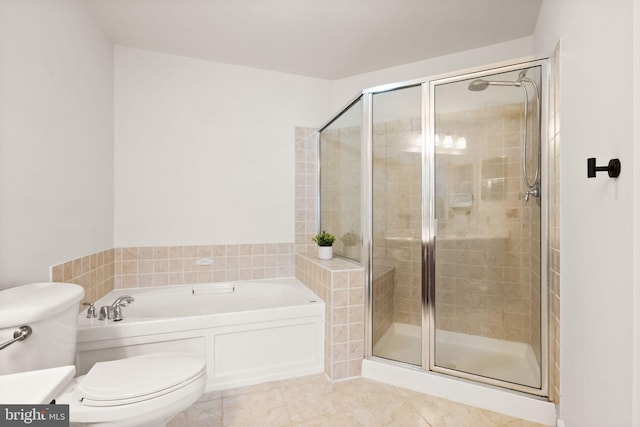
<point x="532" y="189"/>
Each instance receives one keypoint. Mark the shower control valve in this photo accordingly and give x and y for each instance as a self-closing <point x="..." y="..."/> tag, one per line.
<point x="535" y="192"/>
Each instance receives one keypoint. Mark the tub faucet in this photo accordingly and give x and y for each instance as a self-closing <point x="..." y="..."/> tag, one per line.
<point x="114" y="311"/>
<point x="122" y="301"/>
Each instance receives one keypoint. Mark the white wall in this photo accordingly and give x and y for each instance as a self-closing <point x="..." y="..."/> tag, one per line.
<point x="344" y="90"/>
<point x="204" y="151"/>
<point x="597" y="216"/>
<point x="56" y="137"/>
<point x="635" y="397"/>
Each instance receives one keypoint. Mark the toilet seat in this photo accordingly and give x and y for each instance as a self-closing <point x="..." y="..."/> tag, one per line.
<point x="148" y="408"/>
<point x="135" y="379"/>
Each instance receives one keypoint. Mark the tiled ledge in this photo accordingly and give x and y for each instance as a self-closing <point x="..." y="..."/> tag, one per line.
<point x="334" y="264"/>
<point x="340" y="283"/>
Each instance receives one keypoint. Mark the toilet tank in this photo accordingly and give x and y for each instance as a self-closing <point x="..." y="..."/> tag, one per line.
<point x="51" y="310"/>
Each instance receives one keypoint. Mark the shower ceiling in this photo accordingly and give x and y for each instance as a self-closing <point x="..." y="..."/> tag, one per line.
<point x="328" y="39"/>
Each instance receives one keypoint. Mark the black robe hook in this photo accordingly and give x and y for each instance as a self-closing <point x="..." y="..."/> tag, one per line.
<point x="613" y="168"/>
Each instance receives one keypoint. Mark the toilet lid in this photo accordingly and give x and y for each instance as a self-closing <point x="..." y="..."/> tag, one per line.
<point x="138" y="378"/>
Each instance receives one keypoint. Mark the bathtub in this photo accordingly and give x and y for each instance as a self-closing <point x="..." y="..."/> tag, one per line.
<point x="248" y="331"/>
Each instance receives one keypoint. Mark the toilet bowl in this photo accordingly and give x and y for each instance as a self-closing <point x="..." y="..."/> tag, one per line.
<point x="146" y="390"/>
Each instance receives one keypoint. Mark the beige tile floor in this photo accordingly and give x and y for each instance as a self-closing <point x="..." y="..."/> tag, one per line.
<point x="316" y="401"/>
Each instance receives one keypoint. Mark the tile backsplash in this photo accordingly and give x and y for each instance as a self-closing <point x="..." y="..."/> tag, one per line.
<point x="95" y="273"/>
<point x="101" y="272"/>
<point x="175" y="265"/>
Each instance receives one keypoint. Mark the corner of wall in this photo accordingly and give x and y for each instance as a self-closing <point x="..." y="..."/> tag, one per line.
<point x="94" y="272"/>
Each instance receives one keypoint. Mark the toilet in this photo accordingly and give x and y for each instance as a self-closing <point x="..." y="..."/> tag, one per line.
<point x="146" y="390"/>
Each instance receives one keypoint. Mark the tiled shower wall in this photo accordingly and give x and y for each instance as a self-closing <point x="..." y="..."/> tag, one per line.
<point x="397" y="218"/>
<point x="383" y="300"/>
<point x="485" y="283"/>
<point x="486" y="251"/>
<point x="340" y="190"/>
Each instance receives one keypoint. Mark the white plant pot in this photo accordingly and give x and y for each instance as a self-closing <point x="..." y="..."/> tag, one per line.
<point x="325" y="252"/>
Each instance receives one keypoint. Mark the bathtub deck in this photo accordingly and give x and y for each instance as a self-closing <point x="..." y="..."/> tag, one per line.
<point x="255" y="344"/>
<point x="316" y="401"/>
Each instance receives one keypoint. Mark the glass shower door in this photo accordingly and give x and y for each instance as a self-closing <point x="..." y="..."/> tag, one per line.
<point x="486" y="281"/>
<point x="396" y="275"/>
<point x="340" y="189"/>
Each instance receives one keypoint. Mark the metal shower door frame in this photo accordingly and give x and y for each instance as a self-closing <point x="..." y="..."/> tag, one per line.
<point x="429" y="226"/>
<point x="428" y="215"/>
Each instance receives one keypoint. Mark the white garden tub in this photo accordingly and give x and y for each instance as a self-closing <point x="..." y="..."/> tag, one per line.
<point x="248" y="331"/>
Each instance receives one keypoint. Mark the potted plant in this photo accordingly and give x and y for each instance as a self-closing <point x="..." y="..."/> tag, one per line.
<point x="351" y="244"/>
<point x="324" y="241"/>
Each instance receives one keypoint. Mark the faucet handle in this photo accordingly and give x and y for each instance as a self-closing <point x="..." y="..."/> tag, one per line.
<point x="104" y="313"/>
<point x="117" y="313"/>
<point x="91" y="311"/>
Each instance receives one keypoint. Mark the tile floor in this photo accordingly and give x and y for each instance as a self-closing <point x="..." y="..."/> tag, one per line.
<point x="316" y="401"/>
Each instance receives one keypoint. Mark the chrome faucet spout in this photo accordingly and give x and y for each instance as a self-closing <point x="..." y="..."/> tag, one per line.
<point x="123" y="301"/>
<point x="114" y="311"/>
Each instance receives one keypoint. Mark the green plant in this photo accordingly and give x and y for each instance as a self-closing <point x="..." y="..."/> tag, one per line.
<point x="324" y="239"/>
<point x="350" y="238"/>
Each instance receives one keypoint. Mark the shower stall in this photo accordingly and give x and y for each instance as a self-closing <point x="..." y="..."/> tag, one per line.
<point x="439" y="183"/>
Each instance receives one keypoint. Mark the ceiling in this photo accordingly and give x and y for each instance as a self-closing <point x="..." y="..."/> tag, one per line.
<point x="328" y="39"/>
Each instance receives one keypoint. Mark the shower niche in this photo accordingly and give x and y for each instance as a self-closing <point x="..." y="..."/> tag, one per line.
<point x="451" y="210"/>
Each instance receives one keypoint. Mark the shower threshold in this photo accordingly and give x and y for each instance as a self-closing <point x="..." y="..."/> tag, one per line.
<point x="488" y="357"/>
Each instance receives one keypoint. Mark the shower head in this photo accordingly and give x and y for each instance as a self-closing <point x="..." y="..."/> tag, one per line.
<point x="479" y="84"/>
